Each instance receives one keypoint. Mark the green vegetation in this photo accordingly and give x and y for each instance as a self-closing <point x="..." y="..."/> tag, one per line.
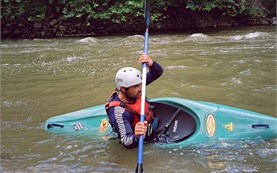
<point x="59" y="18"/>
<point x="116" y="11"/>
<point x="27" y="9"/>
<point x="119" y="11"/>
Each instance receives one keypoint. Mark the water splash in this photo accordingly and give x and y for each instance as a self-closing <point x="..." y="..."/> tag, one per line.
<point x="14" y="103"/>
<point x="176" y="67"/>
<point x="87" y="40"/>
<point x="198" y="37"/>
<point x="73" y="58"/>
<point x="251" y="35"/>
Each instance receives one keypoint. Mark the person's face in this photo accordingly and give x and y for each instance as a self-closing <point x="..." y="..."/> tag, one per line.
<point x="134" y="92"/>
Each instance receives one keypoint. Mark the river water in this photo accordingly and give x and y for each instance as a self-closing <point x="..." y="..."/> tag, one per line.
<point x="42" y="78"/>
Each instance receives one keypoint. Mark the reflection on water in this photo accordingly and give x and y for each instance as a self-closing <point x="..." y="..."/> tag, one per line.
<point x="45" y="77"/>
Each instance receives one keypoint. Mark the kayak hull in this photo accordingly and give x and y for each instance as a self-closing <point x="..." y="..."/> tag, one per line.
<point x="210" y="121"/>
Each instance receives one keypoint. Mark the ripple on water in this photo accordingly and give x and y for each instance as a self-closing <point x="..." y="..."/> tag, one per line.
<point x="14" y="103"/>
<point x="87" y="40"/>
<point x="176" y="67"/>
<point x="251" y="35"/>
<point x="226" y="156"/>
<point x="246" y="72"/>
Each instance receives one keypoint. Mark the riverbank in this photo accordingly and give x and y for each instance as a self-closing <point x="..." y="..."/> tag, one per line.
<point x="58" y="26"/>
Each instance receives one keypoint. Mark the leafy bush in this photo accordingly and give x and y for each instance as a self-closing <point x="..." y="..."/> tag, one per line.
<point x="122" y="11"/>
<point x="28" y="9"/>
<point x="232" y="7"/>
<point x="116" y="11"/>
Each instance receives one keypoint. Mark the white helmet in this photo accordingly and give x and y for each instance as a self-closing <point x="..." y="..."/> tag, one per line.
<point x="127" y="76"/>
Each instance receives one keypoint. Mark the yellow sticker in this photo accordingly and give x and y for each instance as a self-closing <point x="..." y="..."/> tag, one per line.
<point x="210" y="125"/>
<point x="103" y="125"/>
<point x="229" y="126"/>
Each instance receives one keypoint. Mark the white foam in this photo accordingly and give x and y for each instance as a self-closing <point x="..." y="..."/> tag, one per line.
<point x="248" y="36"/>
<point x="246" y="72"/>
<point x="87" y="40"/>
<point x="199" y="35"/>
<point x="177" y="67"/>
<point x="73" y="58"/>
<point x="252" y="35"/>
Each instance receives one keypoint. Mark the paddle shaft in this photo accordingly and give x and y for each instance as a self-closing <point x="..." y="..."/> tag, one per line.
<point x="142" y="108"/>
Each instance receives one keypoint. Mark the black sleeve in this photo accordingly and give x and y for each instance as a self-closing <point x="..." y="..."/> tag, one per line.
<point x="155" y="71"/>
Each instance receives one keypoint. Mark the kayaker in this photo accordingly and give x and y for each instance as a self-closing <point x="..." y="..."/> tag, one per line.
<point x="123" y="107"/>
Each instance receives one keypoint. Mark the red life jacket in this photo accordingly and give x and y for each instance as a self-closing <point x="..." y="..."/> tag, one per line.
<point x="134" y="109"/>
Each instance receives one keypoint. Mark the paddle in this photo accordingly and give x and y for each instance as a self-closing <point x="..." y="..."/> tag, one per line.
<point x="139" y="168"/>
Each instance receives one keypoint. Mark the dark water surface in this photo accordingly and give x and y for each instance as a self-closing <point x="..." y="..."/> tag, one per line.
<point x="42" y="78"/>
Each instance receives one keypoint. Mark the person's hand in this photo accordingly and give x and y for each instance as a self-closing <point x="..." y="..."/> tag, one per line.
<point x="141" y="128"/>
<point x="143" y="58"/>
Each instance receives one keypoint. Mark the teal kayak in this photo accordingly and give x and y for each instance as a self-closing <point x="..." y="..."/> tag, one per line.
<point x="184" y="121"/>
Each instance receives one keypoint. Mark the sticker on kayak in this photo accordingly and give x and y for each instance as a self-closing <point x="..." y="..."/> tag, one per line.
<point x="210" y="125"/>
<point x="78" y="126"/>
<point x="103" y="125"/>
<point x="229" y="126"/>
